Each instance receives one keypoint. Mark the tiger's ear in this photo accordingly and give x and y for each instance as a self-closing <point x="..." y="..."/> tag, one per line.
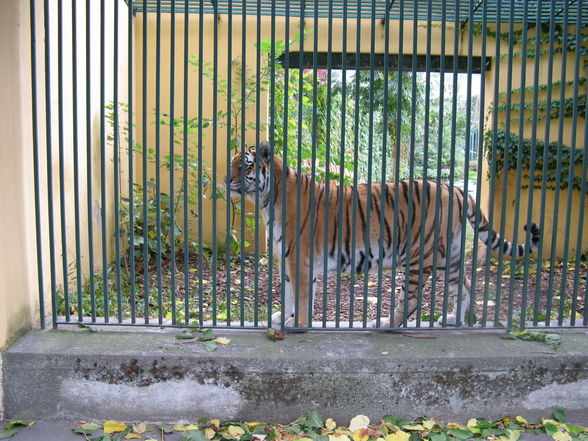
<point x="264" y="151"/>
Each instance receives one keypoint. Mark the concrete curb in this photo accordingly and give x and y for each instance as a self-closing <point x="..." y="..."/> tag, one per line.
<point x="144" y="376"/>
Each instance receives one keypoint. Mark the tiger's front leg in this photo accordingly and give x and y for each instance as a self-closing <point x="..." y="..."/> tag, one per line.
<point x="287" y="305"/>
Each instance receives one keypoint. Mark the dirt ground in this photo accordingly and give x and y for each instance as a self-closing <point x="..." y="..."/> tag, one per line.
<point x="494" y="297"/>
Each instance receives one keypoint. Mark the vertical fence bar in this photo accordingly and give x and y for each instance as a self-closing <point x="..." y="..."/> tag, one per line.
<point x="326" y="248"/>
<point x="172" y="167"/>
<point x="144" y="153"/>
<point x="545" y="153"/>
<point x="103" y="199"/>
<point x="571" y="179"/>
<point x="185" y="151"/>
<point x="396" y="241"/>
<point x="513" y="263"/>
<point x="384" y="190"/>
<point x="558" y="166"/>
<point x="36" y="168"/>
<point x="200" y="151"/>
<point x="131" y="162"/>
<point x="533" y="164"/>
<point x="411" y="215"/>
<point x="243" y="110"/>
<point x="257" y="141"/>
<point x="449" y="243"/>
<point x="272" y="102"/>
<point x="215" y="165"/>
<point x="62" y="197"/>
<point x="312" y="201"/>
<point x="368" y="248"/>
<point x="481" y="127"/>
<point x="578" y="256"/>
<point x="285" y="119"/>
<point x="49" y="156"/>
<point x="354" y="193"/>
<point x="426" y="186"/>
<point x="89" y="163"/>
<point x="493" y="166"/>
<point x="229" y="239"/>
<point x="437" y="228"/>
<point x="75" y="140"/>
<point x="295" y="277"/>
<point x="116" y="169"/>
<point x="341" y="168"/>
<point x="158" y="159"/>
<point x="464" y="217"/>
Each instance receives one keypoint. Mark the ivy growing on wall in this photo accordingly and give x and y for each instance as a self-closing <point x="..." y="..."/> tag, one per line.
<point x="508" y="147"/>
<point x="507" y="144"/>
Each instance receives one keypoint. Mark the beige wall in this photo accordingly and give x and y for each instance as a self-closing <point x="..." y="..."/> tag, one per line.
<point x="223" y="66"/>
<point x="551" y="206"/>
<point x="18" y="265"/>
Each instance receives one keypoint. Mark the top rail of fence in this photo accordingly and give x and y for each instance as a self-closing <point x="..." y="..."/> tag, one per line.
<point x="363" y="8"/>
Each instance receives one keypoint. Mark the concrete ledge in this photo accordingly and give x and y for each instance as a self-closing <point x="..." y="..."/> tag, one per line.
<point x="144" y="376"/>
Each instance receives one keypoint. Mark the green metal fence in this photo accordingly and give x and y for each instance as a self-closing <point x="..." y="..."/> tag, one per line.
<point x="388" y="123"/>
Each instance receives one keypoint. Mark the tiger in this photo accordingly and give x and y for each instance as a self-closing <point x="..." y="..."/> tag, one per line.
<point x="243" y="179"/>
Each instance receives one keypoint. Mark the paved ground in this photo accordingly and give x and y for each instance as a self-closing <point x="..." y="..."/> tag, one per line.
<point x="62" y="431"/>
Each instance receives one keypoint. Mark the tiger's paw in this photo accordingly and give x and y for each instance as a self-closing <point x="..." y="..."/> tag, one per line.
<point x="451" y="320"/>
<point x="277" y="320"/>
<point x="384" y="323"/>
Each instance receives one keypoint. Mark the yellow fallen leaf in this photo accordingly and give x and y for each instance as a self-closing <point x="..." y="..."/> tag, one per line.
<point x="192" y="427"/>
<point x="521" y="420"/>
<point x="222" y="340"/>
<point x="303" y="439"/>
<point x="513" y="436"/>
<point x="215" y="422"/>
<point x="360" y="435"/>
<point x="456" y="426"/>
<point x="472" y="422"/>
<point x="140" y="428"/>
<point x="330" y="424"/>
<point x="398" y="436"/>
<point x="236" y="431"/>
<point x="114" y="426"/>
<point x="358" y="422"/>
<point x="179" y="428"/>
<point x="256" y="423"/>
<point x="209" y="433"/>
<point x="561" y="436"/>
<point x="414" y="427"/>
<point x="339" y="437"/>
<point x="429" y="424"/>
<point x="133" y="436"/>
<point x="150" y="439"/>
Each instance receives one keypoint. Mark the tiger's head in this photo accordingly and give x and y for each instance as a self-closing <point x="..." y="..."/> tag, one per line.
<point x="242" y="177"/>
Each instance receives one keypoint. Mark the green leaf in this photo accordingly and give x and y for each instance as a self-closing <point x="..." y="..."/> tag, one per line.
<point x="550" y="428"/>
<point x="185" y="335"/>
<point x="438" y="437"/>
<point x="209" y="345"/>
<point x="559" y="414"/>
<point x="207" y="335"/>
<point x="7" y="433"/>
<point x="396" y="420"/>
<point x="461" y="434"/>
<point x="314" y="419"/>
<point x="197" y="435"/>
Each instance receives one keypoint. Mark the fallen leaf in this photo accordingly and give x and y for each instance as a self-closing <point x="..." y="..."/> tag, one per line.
<point x="140" y="428"/>
<point x="521" y="420"/>
<point x="360" y="435"/>
<point x="358" y="422"/>
<point x="561" y="436"/>
<point x="236" y="431"/>
<point x="114" y="427"/>
<point x="179" y="428"/>
<point x="215" y="422"/>
<point x="273" y="335"/>
<point x="339" y="437"/>
<point x="414" y="427"/>
<point x="398" y="436"/>
<point x="209" y="433"/>
<point x="330" y="424"/>
<point x="90" y="426"/>
<point x="222" y="340"/>
<point x="192" y="427"/>
<point x="133" y="435"/>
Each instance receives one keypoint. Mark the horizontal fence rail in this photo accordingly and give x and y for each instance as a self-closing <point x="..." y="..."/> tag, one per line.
<point x="327" y="164"/>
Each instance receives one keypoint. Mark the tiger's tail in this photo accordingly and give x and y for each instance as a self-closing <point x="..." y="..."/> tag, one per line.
<point x="495" y="241"/>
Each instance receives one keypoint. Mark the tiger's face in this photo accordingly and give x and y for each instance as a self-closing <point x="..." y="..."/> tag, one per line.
<point x="243" y="178"/>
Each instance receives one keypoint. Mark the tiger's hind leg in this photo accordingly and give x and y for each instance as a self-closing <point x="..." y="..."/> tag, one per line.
<point x="406" y="302"/>
<point x="461" y="305"/>
<point x="287" y="305"/>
